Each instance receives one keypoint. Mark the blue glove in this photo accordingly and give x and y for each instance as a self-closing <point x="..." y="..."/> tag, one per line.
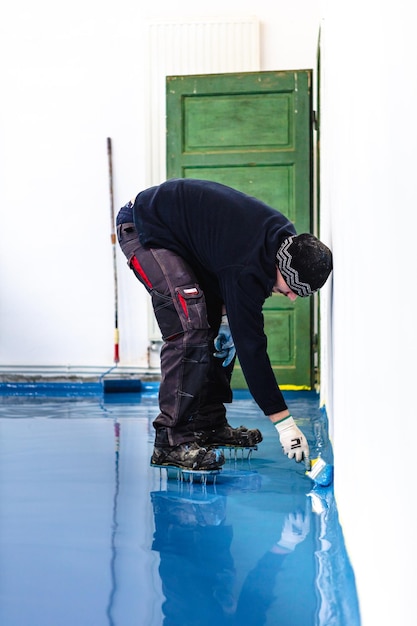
<point x="224" y="343"/>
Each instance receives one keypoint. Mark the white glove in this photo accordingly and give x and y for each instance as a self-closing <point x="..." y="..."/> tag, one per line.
<point x="224" y="343"/>
<point x="295" y="530"/>
<point x="294" y="443"/>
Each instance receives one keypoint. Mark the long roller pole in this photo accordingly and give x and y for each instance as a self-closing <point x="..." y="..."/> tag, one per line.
<point x="113" y="242"/>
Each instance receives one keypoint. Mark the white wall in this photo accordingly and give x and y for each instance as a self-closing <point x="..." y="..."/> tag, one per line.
<point x="369" y="195"/>
<point x="72" y="76"/>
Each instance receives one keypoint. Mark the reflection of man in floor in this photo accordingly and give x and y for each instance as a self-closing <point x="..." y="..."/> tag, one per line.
<point x="196" y="565"/>
<point x="258" y="589"/>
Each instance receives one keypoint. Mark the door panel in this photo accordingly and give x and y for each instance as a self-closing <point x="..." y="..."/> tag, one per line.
<point x="272" y="108"/>
<point x="252" y="131"/>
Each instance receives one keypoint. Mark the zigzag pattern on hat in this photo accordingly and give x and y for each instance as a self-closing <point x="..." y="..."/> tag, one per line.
<point x="290" y="274"/>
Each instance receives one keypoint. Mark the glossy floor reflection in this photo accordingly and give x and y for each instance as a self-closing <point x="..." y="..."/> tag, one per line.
<point x="91" y="535"/>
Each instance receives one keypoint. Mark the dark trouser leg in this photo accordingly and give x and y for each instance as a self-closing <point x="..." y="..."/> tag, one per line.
<point x="216" y="391"/>
<point x="210" y="421"/>
<point x="184" y="364"/>
<point x="180" y="310"/>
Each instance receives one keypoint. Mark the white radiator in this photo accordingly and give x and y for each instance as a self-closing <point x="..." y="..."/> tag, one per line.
<point x="190" y="46"/>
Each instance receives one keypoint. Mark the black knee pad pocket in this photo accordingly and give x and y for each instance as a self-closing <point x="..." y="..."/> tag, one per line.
<point x="192" y="307"/>
<point x="188" y="312"/>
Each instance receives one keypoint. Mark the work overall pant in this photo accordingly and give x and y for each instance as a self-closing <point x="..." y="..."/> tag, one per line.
<point x="194" y="384"/>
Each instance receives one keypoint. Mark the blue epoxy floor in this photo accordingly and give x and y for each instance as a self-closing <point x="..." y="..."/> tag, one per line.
<point x="91" y="535"/>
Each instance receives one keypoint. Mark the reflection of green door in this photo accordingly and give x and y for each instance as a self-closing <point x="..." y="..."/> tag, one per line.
<point x="252" y="131"/>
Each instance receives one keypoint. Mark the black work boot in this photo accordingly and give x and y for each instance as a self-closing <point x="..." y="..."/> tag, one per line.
<point x="188" y="456"/>
<point x="228" y="437"/>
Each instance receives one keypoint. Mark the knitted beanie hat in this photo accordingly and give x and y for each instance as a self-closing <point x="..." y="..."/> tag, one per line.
<point x="305" y="263"/>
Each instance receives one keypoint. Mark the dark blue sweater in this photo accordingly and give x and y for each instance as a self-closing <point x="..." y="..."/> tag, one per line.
<point x="230" y="240"/>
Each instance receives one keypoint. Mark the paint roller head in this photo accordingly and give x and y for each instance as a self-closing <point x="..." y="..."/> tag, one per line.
<point x="321" y="473"/>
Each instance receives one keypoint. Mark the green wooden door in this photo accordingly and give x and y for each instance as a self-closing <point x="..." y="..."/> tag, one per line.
<point x="252" y="131"/>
